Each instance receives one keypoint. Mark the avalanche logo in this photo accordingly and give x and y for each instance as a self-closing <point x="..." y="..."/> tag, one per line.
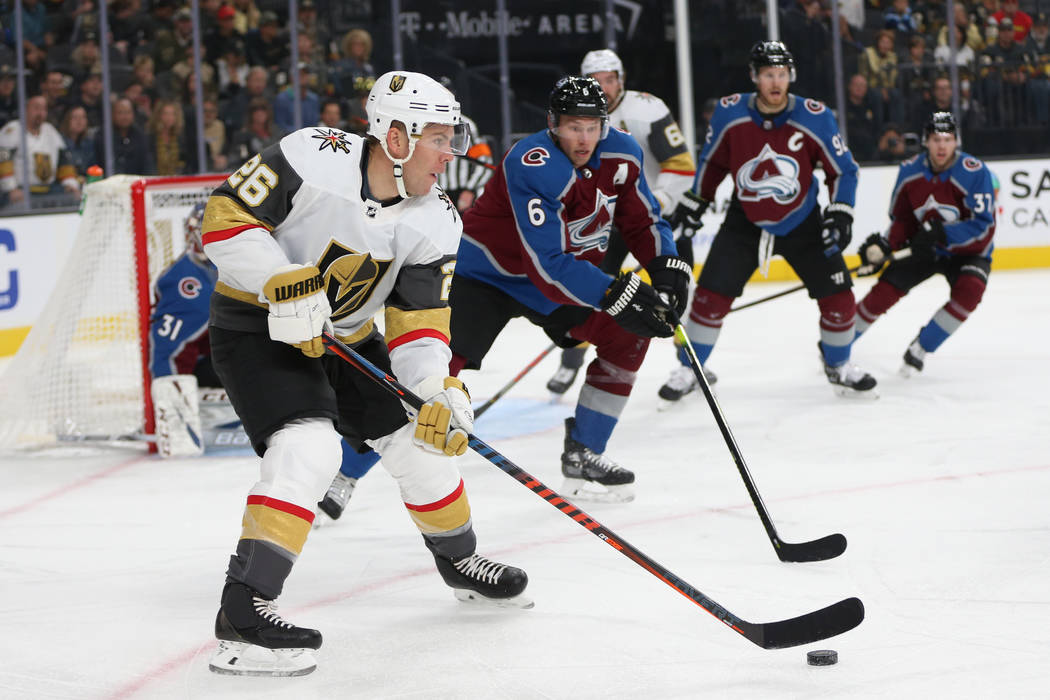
<point x="592" y="231"/>
<point x="535" y="156"/>
<point x="972" y="164"/>
<point x="814" y="106"/>
<point x="946" y="212"/>
<point x="190" y="287"/>
<point x="730" y="100"/>
<point x="768" y="175"/>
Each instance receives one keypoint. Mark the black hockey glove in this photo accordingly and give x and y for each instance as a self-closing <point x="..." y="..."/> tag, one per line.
<point x="924" y="242"/>
<point x="671" y="276"/>
<point x="836" y="228"/>
<point x="874" y="252"/>
<point x="688" y="214"/>
<point x="636" y="307"/>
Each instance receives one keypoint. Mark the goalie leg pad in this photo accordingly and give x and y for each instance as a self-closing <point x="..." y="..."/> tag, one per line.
<point x="176" y="413"/>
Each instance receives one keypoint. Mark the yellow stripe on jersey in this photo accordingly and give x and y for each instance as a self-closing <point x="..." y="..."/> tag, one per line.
<point x="445" y="515"/>
<point x="239" y="294"/>
<point x="223" y="214"/>
<point x="417" y="322"/>
<point x="681" y="162"/>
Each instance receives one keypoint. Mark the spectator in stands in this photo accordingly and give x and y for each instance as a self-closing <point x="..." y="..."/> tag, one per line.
<point x="89" y="96"/>
<point x="900" y="18"/>
<point x="161" y="18"/>
<point x="940" y="100"/>
<point x="170" y="46"/>
<point x="86" y="58"/>
<point x="964" y="59"/>
<point x="803" y="29"/>
<point x="142" y="73"/>
<point x="983" y="13"/>
<point x="50" y="165"/>
<point x="256" y="88"/>
<point x="142" y="102"/>
<point x="862" y="118"/>
<point x="1021" y="21"/>
<point x="80" y="139"/>
<point x="314" y="60"/>
<point x="357" y="116"/>
<point x="214" y="137"/>
<point x="309" y="26"/>
<point x="332" y="114"/>
<point x="1005" y="53"/>
<point x="181" y="71"/>
<point x="247" y="17"/>
<point x="355" y="62"/>
<point x="265" y="46"/>
<point x="129" y="28"/>
<point x="284" y="102"/>
<point x="55" y="89"/>
<point x="972" y="111"/>
<point x="232" y="69"/>
<point x="878" y="65"/>
<point x="8" y="94"/>
<point x="131" y="152"/>
<point x="258" y="133"/>
<point x="1037" y="45"/>
<point x="971" y="32"/>
<point x="167" y="138"/>
<point x="224" y="34"/>
<point x="916" y="73"/>
<point x="891" y="146"/>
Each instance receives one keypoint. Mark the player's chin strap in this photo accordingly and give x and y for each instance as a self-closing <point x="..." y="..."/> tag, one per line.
<point x="398" y="166"/>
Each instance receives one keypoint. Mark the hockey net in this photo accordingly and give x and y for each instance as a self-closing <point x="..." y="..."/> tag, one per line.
<point x="82" y="373"/>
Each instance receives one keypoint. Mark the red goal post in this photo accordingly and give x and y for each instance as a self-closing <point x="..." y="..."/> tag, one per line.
<point x="82" y="373"/>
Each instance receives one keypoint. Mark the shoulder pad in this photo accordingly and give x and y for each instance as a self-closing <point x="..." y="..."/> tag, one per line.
<point x="318" y="154"/>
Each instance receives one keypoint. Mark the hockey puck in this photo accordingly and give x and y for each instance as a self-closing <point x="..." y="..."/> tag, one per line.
<point x="822" y="657"/>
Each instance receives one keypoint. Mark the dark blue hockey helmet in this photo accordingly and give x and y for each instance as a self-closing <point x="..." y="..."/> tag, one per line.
<point x="771" y="53"/>
<point x="941" y="123"/>
<point x="577" y="96"/>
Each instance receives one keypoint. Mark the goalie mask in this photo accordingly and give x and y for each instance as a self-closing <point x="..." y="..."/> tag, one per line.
<point x="194" y="244"/>
<point x="576" y="96"/>
<point x="771" y="53"/>
<point x="413" y="100"/>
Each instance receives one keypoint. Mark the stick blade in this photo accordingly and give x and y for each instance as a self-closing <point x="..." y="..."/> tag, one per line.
<point x="811" y="627"/>
<point x="817" y="550"/>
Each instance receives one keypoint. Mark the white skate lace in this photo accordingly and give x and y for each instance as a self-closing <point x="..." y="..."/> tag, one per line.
<point x="681" y="378"/>
<point x="267" y="609"/>
<point x="601" y="462"/>
<point x="478" y="567"/>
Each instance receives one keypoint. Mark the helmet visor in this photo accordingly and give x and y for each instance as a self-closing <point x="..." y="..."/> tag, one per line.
<point x="445" y="138"/>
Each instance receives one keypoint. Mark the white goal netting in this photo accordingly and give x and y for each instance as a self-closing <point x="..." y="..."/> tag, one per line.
<point x="80" y="373"/>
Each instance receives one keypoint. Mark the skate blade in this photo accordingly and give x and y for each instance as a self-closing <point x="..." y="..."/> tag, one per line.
<point x="321" y="519"/>
<point x="907" y="371"/>
<point x="590" y="492"/>
<point x="244" y="659"/>
<point x="848" y="393"/>
<point x="521" y="601"/>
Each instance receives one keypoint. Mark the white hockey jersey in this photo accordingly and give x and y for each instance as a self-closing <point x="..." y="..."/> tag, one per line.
<point x="669" y="167"/>
<point x="305" y="200"/>
<point x="49" y="159"/>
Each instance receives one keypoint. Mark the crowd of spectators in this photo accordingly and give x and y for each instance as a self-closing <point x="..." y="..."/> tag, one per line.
<point x="245" y="73"/>
<point x="897" y="60"/>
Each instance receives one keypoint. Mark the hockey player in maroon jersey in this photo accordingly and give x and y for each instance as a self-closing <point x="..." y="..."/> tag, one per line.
<point x="532" y="246"/>
<point x="771" y="142"/>
<point x="943" y="208"/>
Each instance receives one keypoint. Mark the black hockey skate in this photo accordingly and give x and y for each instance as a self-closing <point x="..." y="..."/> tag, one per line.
<point x="590" y="476"/>
<point x="848" y="379"/>
<point x="562" y="379"/>
<point x="334" y="502"/>
<point x="255" y="641"/>
<point x="475" y="579"/>
<point x="914" y="359"/>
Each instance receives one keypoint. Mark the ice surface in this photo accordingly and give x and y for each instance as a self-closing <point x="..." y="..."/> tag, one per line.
<point x="111" y="563"/>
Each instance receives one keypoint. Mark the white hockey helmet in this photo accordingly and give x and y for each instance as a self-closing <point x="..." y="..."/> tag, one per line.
<point x="414" y="100"/>
<point x="601" y="60"/>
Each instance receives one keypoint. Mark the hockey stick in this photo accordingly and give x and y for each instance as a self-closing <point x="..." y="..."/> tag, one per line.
<point x="860" y="270"/>
<point x="517" y="378"/>
<point x="812" y="627"/>
<point x="817" y="550"/>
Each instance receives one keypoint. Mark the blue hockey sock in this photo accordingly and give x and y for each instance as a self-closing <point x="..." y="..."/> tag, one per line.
<point x="355" y="465"/>
<point x="932" y="335"/>
<point x="592" y="428"/>
<point x="835" y="355"/>
<point x="702" y="351"/>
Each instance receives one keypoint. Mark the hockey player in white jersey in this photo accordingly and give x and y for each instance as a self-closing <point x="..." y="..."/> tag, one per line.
<point x="322" y="230"/>
<point x="668" y="166"/>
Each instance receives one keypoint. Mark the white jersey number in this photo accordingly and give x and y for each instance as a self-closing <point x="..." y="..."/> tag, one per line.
<point x="254" y="181"/>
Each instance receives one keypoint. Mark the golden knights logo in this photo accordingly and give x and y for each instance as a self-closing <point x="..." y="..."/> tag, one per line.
<point x="397" y="82"/>
<point x="330" y="138"/>
<point x="349" y="277"/>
